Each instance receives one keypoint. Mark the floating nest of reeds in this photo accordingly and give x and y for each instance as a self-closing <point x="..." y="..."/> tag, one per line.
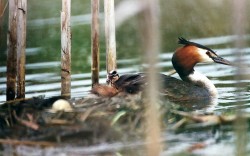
<point x="56" y="122"/>
<point x="85" y="121"/>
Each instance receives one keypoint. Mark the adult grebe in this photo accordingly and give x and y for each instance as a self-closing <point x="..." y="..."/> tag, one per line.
<point x="194" y="84"/>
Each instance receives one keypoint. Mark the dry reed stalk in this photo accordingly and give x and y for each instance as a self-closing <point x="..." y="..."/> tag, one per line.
<point x="151" y="47"/>
<point x="95" y="41"/>
<point x="65" y="49"/>
<point x="12" y="51"/>
<point x="21" y="46"/>
<point x="239" y="27"/>
<point x="110" y="35"/>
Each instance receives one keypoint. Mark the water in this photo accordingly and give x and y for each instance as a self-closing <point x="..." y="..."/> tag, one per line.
<point x="213" y="30"/>
<point x="48" y="83"/>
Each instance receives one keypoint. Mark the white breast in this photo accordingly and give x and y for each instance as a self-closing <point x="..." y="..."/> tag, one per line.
<point x="201" y="80"/>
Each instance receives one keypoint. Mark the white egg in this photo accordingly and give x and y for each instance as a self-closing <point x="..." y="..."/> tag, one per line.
<point x="61" y="105"/>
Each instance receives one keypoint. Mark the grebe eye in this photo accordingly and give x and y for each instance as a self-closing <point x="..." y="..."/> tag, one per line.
<point x="209" y="54"/>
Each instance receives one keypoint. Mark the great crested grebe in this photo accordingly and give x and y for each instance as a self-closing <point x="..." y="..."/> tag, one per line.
<point x="194" y="84"/>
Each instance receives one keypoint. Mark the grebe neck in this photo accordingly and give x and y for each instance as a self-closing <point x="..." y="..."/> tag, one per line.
<point x="202" y="81"/>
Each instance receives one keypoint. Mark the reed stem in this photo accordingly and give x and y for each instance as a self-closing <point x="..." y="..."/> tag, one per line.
<point x="240" y="126"/>
<point x="150" y="27"/>
<point x="95" y="41"/>
<point x="11" y="52"/>
<point x="21" y="46"/>
<point x="110" y="35"/>
<point x="65" y="49"/>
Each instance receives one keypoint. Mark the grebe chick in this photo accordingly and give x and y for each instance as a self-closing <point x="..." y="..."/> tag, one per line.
<point x="104" y="90"/>
<point x="194" y="85"/>
<point x="129" y="83"/>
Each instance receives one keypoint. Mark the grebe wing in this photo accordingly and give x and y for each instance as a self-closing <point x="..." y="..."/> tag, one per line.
<point x="171" y="87"/>
<point x="179" y="90"/>
<point x="131" y="83"/>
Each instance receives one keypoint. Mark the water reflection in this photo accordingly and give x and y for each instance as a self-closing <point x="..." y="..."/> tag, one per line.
<point x="205" y="105"/>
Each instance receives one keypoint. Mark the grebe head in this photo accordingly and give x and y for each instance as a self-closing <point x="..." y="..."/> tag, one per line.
<point x="186" y="57"/>
<point x="112" y="77"/>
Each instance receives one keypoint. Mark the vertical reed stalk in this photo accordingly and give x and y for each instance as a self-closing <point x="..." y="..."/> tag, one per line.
<point x="110" y="35"/>
<point x="12" y="51"/>
<point x="150" y="27"/>
<point x="21" y="46"/>
<point x="95" y="41"/>
<point x="239" y="23"/>
<point x="65" y="49"/>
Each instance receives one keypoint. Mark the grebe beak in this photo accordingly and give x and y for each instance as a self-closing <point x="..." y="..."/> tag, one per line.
<point x="218" y="59"/>
<point x="221" y="61"/>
